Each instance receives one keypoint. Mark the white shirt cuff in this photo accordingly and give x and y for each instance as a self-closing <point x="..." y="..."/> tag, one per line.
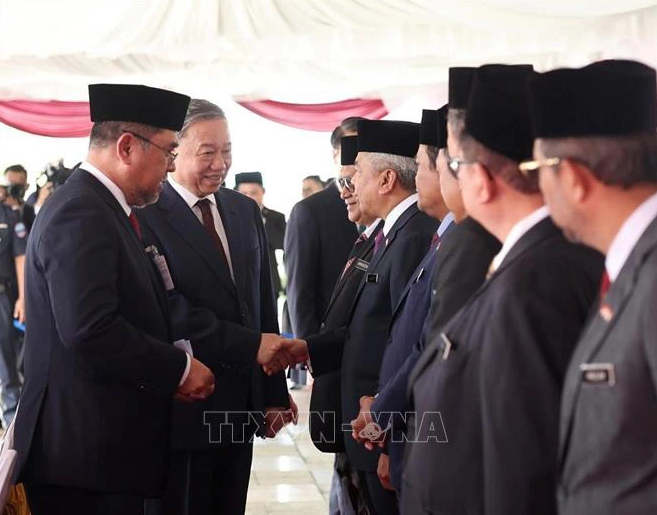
<point x="186" y="372"/>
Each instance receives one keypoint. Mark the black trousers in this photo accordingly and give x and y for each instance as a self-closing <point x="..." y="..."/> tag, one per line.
<point x="213" y="482"/>
<point x="59" y="500"/>
<point x="10" y="352"/>
<point x="380" y="501"/>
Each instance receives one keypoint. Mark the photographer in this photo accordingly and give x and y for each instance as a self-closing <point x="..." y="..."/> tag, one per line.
<point x="50" y="179"/>
<point x="16" y="185"/>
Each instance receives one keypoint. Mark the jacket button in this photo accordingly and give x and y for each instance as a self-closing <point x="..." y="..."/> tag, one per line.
<point x="322" y="326"/>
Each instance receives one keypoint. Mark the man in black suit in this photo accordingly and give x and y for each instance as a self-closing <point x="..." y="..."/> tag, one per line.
<point x="318" y="240"/>
<point x="250" y="184"/>
<point x="487" y="398"/>
<point x="214" y="241"/>
<point x="100" y="371"/>
<point x="385" y="185"/>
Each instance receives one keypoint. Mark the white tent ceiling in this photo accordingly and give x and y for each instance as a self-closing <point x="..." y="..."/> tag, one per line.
<point x="302" y="50"/>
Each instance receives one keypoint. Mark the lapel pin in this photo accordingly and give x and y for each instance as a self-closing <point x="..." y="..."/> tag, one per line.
<point x="606" y="312"/>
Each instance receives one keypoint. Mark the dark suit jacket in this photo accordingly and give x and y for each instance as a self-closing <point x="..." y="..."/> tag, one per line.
<point x="275" y="230"/>
<point x="318" y="239"/>
<point x="100" y="370"/>
<point x="244" y="308"/>
<point x="358" y="350"/>
<point x="495" y="390"/>
<point x="608" y="456"/>
<point x="325" y="400"/>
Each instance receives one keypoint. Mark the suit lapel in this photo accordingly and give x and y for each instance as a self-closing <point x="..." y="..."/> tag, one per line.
<point x="183" y="220"/>
<point x="235" y="236"/>
<point x="423" y="268"/>
<point x="123" y="220"/>
<point x="598" y="329"/>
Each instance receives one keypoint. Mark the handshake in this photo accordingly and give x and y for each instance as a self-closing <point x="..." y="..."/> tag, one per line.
<point x="277" y="353"/>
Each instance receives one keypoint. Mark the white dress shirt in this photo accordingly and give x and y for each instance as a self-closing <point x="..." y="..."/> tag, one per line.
<point x="191" y="199"/>
<point x="517" y="232"/>
<point x="397" y="211"/>
<point x="120" y="198"/>
<point x="370" y="228"/>
<point x="445" y="223"/>
<point x="629" y="235"/>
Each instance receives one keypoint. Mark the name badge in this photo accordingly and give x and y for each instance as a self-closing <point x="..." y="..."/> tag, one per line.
<point x="598" y="373"/>
<point x="362" y="265"/>
<point x="372" y="278"/>
<point x="3" y="226"/>
<point x="161" y="265"/>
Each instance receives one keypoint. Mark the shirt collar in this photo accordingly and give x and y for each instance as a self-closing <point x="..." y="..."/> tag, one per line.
<point x="190" y="198"/>
<point x="518" y="231"/>
<point x="445" y="223"/>
<point x="370" y="228"/>
<point x="109" y="184"/>
<point x="629" y="235"/>
<point x="397" y="211"/>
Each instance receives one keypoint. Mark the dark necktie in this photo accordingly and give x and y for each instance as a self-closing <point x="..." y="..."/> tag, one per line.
<point x="434" y="241"/>
<point x="208" y="223"/>
<point x="378" y="241"/>
<point x="354" y="253"/>
<point x="605" y="283"/>
<point x="132" y="217"/>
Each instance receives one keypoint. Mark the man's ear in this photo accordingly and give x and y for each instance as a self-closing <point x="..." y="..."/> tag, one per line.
<point x="125" y="146"/>
<point x="387" y="180"/>
<point x="577" y="180"/>
<point x="484" y="184"/>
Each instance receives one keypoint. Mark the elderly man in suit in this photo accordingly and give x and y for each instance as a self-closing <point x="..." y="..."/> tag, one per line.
<point x="409" y="314"/>
<point x="214" y="241"/>
<point x="100" y="368"/>
<point x="250" y="184"/>
<point x="596" y="150"/>
<point x="488" y="400"/>
<point x="385" y="185"/>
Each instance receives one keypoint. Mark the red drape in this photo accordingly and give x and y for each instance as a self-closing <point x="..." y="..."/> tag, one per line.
<point x="71" y="119"/>
<point x="52" y="118"/>
<point x="316" y="117"/>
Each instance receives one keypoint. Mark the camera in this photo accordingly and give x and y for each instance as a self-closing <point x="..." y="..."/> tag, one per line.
<point x="55" y="174"/>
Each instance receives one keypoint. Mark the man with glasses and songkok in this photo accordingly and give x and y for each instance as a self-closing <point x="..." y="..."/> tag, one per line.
<point x="596" y="153"/>
<point x="385" y="185"/>
<point x="92" y="430"/>
<point x="496" y="375"/>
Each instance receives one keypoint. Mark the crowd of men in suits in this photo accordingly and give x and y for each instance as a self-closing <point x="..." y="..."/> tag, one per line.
<point x="486" y="335"/>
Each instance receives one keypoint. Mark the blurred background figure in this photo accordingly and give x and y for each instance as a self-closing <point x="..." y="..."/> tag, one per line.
<point x="15" y="187"/>
<point x="311" y="185"/>
<point x="250" y="184"/>
<point x="53" y="176"/>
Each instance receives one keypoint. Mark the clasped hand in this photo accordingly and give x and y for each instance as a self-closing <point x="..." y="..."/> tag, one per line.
<point x="277" y="353"/>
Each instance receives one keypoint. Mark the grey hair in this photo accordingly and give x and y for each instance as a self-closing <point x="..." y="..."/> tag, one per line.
<point x="200" y="109"/>
<point x="498" y="165"/>
<point x="404" y="167"/>
<point x="456" y="121"/>
<point x="104" y="134"/>
<point x="614" y="160"/>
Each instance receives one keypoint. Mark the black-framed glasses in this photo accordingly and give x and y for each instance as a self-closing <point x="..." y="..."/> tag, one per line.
<point x="527" y="167"/>
<point x="454" y="163"/>
<point x="344" y="183"/>
<point x="171" y="155"/>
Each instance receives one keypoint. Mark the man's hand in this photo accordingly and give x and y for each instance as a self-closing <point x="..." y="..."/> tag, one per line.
<point x="365" y="429"/>
<point x="270" y="348"/>
<point x="19" y="310"/>
<point x="383" y="471"/>
<point x="198" y="385"/>
<point x="275" y="419"/>
<point x="289" y="354"/>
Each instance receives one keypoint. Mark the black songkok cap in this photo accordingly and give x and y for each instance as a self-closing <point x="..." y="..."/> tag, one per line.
<point x="441" y="127"/>
<point x="607" y="98"/>
<point x="388" y="137"/>
<point x="137" y="104"/>
<point x="497" y="113"/>
<point x="460" y="84"/>
<point x="348" y="150"/>
<point x="428" y="127"/>
<point x="248" y="178"/>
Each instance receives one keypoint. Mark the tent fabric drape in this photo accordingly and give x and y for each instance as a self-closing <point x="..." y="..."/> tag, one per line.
<point x="316" y="117"/>
<point x="71" y="119"/>
<point x="53" y="118"/>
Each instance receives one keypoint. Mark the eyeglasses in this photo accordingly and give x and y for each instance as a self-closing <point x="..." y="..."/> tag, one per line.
<point x="171" y="155"/>
<point x="344" y="183"/>
<point x="453" y="163"/>
<point x="526" y="167"/>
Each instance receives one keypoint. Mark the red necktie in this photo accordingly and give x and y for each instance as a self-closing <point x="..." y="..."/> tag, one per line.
<point x="354" y="252"/>
<point x="434" y="241"/>
<point x="135" y="224"/>
<point x="208" y="223"/>
<point x="605" y="283"/>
